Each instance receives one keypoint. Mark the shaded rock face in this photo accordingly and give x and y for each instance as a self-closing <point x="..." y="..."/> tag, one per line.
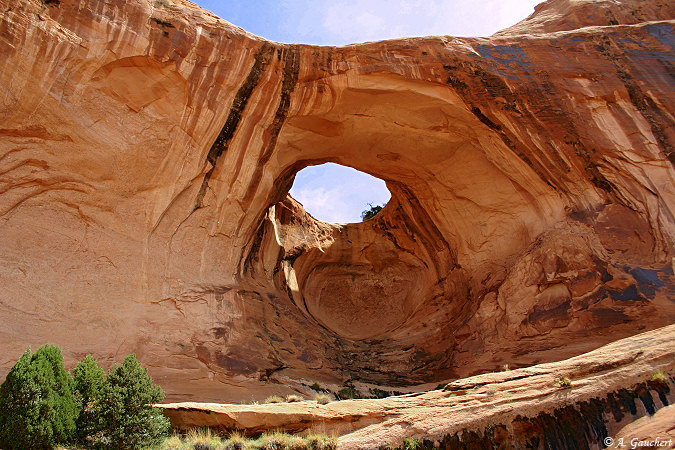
<point x="147" y="150"/>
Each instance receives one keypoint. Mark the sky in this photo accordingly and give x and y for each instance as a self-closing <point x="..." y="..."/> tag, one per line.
<point x="342" y="22"/>
<point x="338" y="194"/>
<point x="330" y="192"/>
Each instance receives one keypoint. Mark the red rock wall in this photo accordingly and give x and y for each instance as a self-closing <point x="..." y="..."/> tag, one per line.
<point x="147" y="149"/>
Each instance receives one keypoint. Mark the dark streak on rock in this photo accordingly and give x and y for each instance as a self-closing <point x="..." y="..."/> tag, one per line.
<point x="494" y="87"/>
<point x="421" y="227"/>
<point x="262" y="59"/>
<point x="580" y="426"/>
<point x="291" y="58"/>
<point x="651" y="112"/>
<point x="510" y="144"/>
<point x="643" y="103"/>
<point x="254" y="246"/>
<point x="483" y="118"/>
<point x="265" y="374"/>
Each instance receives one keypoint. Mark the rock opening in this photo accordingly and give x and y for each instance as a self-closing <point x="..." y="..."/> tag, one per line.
<point x="338" y="194"/>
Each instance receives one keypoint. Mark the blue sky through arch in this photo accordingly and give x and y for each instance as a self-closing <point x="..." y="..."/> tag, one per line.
<point x="337" y="194"/>
<point x="342" y="22"/>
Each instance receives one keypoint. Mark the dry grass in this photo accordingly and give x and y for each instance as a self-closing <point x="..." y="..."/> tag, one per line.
<point x="237" y="442"/>
<point x="173" y="443"/>
<point x="204" y="439"/>
<point x="322" y="399"/>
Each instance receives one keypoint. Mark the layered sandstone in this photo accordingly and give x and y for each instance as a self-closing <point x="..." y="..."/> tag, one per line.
<point x="147" y="150"/>
<point x="612" y="393"/>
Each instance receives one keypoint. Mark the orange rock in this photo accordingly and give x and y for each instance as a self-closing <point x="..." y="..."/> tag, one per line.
<point x="653" y="432"/>
<point x="147" y="150"/>
<point x="609" y="393"/>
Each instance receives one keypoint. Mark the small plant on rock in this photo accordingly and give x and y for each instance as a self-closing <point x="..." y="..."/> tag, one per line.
<point x="563" y="382"/>
<point x="379" y="393"/>
<point x="274" y="399"/>
<point x="659" y="377"/>
<point x="292" y="398"/>
<point x="322" y="399"/>
<point x="411" y="444"/>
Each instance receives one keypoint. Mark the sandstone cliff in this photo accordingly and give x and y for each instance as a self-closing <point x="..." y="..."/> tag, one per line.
<point x="147" y="149"/>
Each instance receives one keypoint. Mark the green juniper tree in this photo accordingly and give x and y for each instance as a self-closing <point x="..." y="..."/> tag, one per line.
<point x="128" y="419"/>
<point x="89" y="383"/>
<point x="37" y="407"/>
<point x="42" y="406"/>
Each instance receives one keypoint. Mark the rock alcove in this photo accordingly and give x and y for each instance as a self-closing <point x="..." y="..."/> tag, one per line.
<point x="355" y="279"/>
<point x="530" y="175"/>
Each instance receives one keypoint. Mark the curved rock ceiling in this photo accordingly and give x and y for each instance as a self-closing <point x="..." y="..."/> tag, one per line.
<point x="147" y="152"/>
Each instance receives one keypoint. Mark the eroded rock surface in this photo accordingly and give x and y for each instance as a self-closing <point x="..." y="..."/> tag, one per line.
<point x="651" y="431"/>
<point x="606" y="389"/>
<point x="147" y="150"/>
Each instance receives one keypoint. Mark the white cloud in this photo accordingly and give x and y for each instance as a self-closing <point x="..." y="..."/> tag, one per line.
<point x="327" y="205"/>
<point x="337" y="194"/>
<point x="351" y="21"/>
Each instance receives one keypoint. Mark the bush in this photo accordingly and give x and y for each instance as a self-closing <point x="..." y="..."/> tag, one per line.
<point x="37" y="407"/>
<point x="322" y="399"/>
<point x="172" y="443"/>
<point x="89" y="383"/>
<point x="274" y="399"/>
<point x="349" y="392"/>
<point x="127" y="416"/>
<point x="42" y="406"/>
<point x="292" y="398"/>
<point x="274" y="441"/>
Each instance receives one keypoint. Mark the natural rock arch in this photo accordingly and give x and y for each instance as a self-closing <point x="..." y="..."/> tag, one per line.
<point x="531" y="180"/>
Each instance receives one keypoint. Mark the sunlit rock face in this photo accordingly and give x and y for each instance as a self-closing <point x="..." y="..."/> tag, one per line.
<point x="147" y="149"/>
